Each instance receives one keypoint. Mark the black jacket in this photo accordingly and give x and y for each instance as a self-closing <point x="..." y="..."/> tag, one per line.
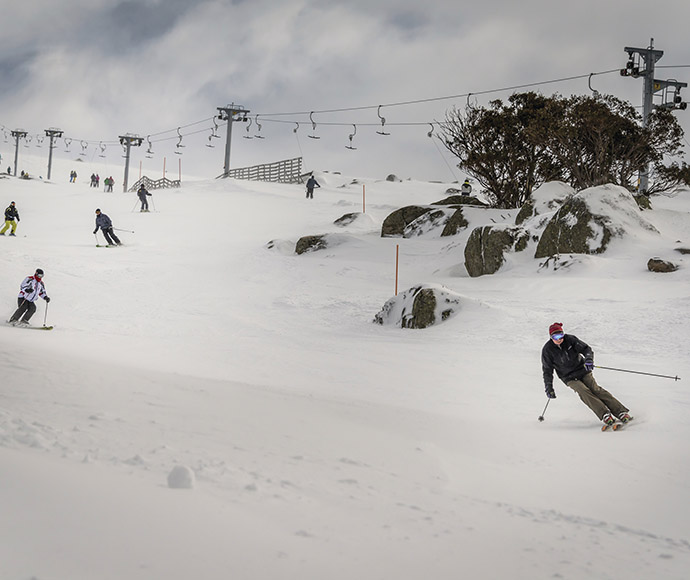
<point x="11" y="213"/>
<point x="568" y="359"/>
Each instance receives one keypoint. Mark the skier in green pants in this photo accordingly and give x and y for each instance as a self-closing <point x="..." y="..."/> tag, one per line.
<point x="573" y="361"/>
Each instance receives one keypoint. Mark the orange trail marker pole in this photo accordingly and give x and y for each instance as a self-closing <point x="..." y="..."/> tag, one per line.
<point x="397" y="255"/>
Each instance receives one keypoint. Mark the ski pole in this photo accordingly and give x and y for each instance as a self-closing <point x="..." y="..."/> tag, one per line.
<point x="676" y="378"/>
<point x="45" y="316"/>
<point x="121" y="230"/>
<point x="96" y="236"/>
<point x="541" y="417"/>
<point x="136" y="203"/>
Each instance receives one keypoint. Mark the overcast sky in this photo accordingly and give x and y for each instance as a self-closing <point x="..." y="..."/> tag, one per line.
<point x="98" y="69"/>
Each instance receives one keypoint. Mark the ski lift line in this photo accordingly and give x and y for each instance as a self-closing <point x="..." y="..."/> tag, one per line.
<point x="371" y="107"/>
<point x="334" y="124"/>
<point x="447" y="97"/>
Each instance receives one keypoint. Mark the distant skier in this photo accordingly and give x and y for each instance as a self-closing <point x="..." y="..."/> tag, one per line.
<point x="106" y="225"/>
<point x="466" y="188"/>
<point x="573" y="361"/>
<point x="30" y="289"/>
<point x="11" y="214"/>
<point x="311" y="184"/>
<point x="109" y="182"/>
<point x="142" y="193"/>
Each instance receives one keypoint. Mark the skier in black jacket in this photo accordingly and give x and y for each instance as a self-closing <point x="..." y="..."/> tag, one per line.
<point x="573" y="361"/>
<point x="11" y="214"/>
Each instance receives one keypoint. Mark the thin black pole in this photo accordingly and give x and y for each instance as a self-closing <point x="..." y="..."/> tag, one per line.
<point x="541" y="417"/>
<point x="676" y="378"/>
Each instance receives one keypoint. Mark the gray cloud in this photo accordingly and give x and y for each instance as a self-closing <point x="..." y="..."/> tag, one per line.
<point x="102" y="68"/>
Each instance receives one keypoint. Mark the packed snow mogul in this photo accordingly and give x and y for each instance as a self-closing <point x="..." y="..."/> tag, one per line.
<point x="106" y="225"/>
<point x="30" y="289"/>
<point x="142" y="193"/>
<point x="573" y="361"/>
<point x="311" y="184"/>
<point x="11" y="214"/>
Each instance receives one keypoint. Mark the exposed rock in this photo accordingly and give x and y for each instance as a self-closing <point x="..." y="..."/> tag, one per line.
<point x="486" y="246"/>
<point x="683" y="250"/>
<point x="419" y="307"/>
<point x="395" y="223"/>
<point x="643" y="201"/>
<point x="347" y="219"/>
<point x="311" y="244"/>
<point x="432" y="219"/>
<point x="456" y="223"/>
<point x="544" y="200"/>
<point x="587" y="221"/>
<point x="460" y="200"/>
<point x="393" y="177"/>
<point x="659" y="265"/>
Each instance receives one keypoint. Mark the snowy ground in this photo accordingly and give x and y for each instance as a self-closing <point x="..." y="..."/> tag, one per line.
<point x="323" y="445"/>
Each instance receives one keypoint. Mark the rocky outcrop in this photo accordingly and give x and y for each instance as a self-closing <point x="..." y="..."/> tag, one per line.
<point x="659" y="265"/>
<point x="455" y="223"/>
<point x="311" y="244"/>
<point x="460" y="200"/>
<point x="419" y="307"/>
<point x="588" y="221"/>
<point x="486" y="248"/>
<point x="395" y="223"/>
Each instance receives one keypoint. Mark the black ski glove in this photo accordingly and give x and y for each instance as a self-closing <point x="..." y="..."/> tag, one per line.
<point x="95" y="231"/>
<point x="550" y="393"/>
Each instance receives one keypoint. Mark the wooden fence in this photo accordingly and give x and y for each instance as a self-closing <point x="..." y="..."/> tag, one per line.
<point x="286" y="171"/>
<point x="150" y="184"/>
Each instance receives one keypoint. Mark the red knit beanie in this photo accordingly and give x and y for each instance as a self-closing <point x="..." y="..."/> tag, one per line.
<point x="555" y="327"/>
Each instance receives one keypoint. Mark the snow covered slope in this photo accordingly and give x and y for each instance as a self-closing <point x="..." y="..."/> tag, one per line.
<point x="323" y="445"/>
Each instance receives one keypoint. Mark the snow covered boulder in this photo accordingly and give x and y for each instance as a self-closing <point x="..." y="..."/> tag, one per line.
<point x="311" y="244"/>
<point x="395" y="223"/>
<point x="544" y="200"/>
<point x="460" y="200"/>
<point x="588" y="221"/>
<point x="181" y="477"/>
<point x="455" y="223"/>
<point x="659" y="265"/>
<point x="419" y="307"/>
<point x="434" y="219"/>
<point x="486" y="247"/>
<point x="356" y="220"/>
<point x="319" y="242"/>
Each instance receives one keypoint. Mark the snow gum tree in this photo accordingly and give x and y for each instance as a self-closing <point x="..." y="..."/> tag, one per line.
<point x="512" y="148"/>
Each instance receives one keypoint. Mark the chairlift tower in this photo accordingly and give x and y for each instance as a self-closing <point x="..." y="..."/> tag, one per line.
<point x="230" y="113"/>
<point x="669" y="89"/>
<point x="127" y="141"/>
<point x="17" y="134"/>
<point x="52" y="134"/>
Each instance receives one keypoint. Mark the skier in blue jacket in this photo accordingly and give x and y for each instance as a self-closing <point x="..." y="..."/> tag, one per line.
<point x="106" y="225"/>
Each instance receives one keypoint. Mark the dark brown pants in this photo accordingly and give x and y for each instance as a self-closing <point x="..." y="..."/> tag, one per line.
<point x="596" y="398"/>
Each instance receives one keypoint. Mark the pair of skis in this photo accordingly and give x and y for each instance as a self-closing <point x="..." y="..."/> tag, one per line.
<point x="29" y="327"/>
<point x="617" y="426"/>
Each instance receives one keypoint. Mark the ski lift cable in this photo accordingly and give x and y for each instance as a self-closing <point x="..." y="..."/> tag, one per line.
<point x="443" y="98"/>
